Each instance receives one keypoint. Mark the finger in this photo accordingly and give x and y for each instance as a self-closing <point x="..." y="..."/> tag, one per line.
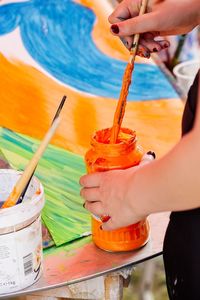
<point x="127" y="41"/>
<point x="90" y="180"/>
<point x="95" y="208"/>
<point x="151" y="45"/>
<point x="151" y="35"/>
<point x="143" y="51"/>
<point x="121" y="13"/>
<point x="90" y="194"/>
<point x="109" y="225"/>
<point x="151" y="154"/>
<point x="164" y="44"/>
<point x="147" y="158"/>
<point x="141" y="24"/>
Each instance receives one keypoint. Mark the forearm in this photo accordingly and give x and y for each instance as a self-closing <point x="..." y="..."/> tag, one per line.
<point x="171" y="183"/>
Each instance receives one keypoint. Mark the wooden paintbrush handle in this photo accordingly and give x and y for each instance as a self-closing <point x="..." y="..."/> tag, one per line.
<point x="24" y="178"/>
<point x="121" y="105"/>
<point x="120" y="110"/>
<point x="137" y="36"/>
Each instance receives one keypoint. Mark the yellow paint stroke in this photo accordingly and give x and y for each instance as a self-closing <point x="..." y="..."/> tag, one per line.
<point x="29" y="100"/>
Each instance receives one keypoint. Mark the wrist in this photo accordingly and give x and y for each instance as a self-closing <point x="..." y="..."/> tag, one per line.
<point x="134" y="194"/>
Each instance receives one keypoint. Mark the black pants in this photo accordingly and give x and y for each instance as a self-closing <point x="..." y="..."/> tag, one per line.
<point x="182" y="257"/>
<point x="181" y="251"/>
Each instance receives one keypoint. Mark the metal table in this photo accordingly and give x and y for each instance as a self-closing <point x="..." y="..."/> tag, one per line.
<point x="84" y="260"/>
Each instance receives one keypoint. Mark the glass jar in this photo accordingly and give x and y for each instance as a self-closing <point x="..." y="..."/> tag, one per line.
<point x="103" y="156"/>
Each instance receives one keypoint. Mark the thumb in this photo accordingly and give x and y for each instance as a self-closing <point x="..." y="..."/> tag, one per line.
<point x="141" y="24"/>
<point x="109" y="225"/>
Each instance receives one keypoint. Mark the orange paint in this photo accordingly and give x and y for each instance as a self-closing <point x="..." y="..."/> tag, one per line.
<point x="29" y="100"/>
<point x="11" y="200"/>
<point x="121" y="105"/>
<point x="103" y="157"/>
<point x="124" y="239"/>
<point x="38" y="192"/>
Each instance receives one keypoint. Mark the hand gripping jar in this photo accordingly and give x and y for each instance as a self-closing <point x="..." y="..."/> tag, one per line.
<point x="102" y="156"/>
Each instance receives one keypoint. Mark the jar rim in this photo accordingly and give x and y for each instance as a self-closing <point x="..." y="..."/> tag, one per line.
<point x="101" y="138"/>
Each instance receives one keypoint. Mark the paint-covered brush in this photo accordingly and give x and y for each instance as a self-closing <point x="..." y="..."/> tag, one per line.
<point x="26" y="175"/>
<point x="120" y="110"/>
<point x="54" y="118"/>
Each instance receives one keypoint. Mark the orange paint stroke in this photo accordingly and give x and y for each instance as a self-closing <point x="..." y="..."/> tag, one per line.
<point x="29" y="100"/>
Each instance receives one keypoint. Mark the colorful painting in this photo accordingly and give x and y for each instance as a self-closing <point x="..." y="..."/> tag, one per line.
<point x="51" y="48"/>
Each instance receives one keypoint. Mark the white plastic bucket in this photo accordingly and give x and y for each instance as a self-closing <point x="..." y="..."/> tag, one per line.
<point x="185" y="73"/>
<point x="20" y="235"/>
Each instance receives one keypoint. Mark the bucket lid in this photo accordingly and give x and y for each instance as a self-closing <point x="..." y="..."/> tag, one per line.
<point x="30" y="207"/>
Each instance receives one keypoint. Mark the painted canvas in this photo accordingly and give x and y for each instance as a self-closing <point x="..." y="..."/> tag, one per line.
<point x="56" y="47"/>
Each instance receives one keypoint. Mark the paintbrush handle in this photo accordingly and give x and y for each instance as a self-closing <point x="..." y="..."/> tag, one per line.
<point x="120" y="110"/>
<point x="60" y="107"/>
<point x="121" y="105"/>
<point x="25" y="177"/>
<point x="137" y="36"/>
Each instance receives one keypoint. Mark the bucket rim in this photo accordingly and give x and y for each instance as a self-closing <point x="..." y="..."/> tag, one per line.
<point x="177" y="68"/>
<point x="34" y="205"/>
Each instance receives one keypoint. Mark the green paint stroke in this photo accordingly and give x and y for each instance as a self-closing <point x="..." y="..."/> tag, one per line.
<point x="59" y="171"/>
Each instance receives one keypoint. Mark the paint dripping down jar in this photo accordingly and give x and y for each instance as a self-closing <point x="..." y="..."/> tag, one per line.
<point x="103" y="156"/>
<point x="21" y="258"/>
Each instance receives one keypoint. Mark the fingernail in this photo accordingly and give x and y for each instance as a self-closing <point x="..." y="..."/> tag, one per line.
<point x="155" y="50"/>
<point x="152" y="154"/>
<point x="165" y="46"/>
<point x="83" y="205"/>
<point x="105" y="219"/>
<point x="146" y="54"/>
<point x="115" y="29"/>
<point x="122" y="19"/>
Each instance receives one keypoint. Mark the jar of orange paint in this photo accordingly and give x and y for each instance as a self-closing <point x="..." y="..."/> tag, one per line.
<point x="103" y="156"/>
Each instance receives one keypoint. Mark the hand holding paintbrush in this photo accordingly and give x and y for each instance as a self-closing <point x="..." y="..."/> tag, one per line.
<point x="22" y="184"/>
<point x="120" y="110"/>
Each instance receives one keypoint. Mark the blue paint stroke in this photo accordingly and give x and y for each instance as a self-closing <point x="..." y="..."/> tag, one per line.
<point x="57" y="34"/>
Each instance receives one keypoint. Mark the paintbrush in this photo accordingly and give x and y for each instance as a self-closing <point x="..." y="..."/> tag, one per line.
<point x="54" y="118"/>
<point x="120" y="110"/>
<point x="59" y="108"/>
<point x="25" y="177"/>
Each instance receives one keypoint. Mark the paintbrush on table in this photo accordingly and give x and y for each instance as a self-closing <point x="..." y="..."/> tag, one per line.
<point x="29" y="170"/>
<point x="120" y="110"/>
<point x="54" y="118"/>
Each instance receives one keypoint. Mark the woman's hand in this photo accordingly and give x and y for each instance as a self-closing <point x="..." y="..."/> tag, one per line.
<point x="169" y="17"/>
<point x="109" y="194"/>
